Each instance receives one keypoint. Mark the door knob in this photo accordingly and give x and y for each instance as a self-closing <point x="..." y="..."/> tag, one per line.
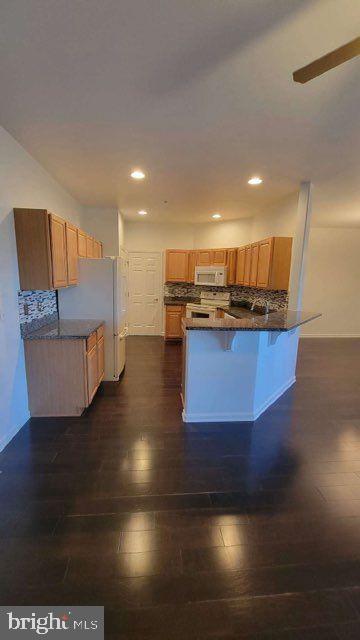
<point x="156" y="299"/>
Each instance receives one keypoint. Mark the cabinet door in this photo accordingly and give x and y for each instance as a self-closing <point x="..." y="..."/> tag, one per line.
<point x="101" y="358"/>
<point x="254" y="264"/>
<point x="177" y="265"/>
<point x="173" y="317"/>
<point x="219" y="257"/>
<point x="92" y="372"/>
<point x="264" y="262"/>
<point x="72" y="254"/>
<point x="81" y="243"/>
<point x="240" y="265"/>
<point x="58" y="251"/>
<point x="89" y="247"/>
<point x="231" y="265"/>
<point x="204" y="258"/>
<point x="192" y="265"/>
<point x="97" y="249"/>
<point x="247" y="265"/>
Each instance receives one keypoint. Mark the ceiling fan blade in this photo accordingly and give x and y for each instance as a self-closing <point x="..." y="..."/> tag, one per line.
<point x="327" y="62"/>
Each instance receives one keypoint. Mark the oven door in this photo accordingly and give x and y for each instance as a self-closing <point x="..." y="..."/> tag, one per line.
<point x="200" y="313"/>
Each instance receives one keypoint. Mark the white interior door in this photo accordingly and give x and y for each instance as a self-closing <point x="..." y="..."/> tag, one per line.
<point x="144" y="293"/>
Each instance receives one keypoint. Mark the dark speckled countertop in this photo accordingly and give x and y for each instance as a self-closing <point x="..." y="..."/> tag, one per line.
<point x="173" y="300"/>
<point x="65" y="330"/>
<point x="276" y="321"/>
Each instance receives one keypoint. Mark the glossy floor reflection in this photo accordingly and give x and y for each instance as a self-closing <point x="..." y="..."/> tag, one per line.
<point x="193" y="531"/>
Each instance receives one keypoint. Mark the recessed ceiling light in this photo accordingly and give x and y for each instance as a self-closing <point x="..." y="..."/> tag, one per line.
<point x="142" y="213"/>
<point x="255" y="180"/>
<point x="137" y="174"/>
<point x="216" y="216"/>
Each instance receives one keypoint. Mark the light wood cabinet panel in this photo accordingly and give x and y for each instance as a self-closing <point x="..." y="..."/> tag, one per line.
<point x="247" y="265"/>
<point x="89" y="247"/>
<point x="177" y="265"/>
<point x="240" y="265"/>
<point x="92" y="372"/>
<point x="72" y="254"/>
<point x="33" y="249"/>
<point x="231" y="265"/>
<point x="204" y="257"/>
<point x="219" y="257"/>
<point x="58" y="251"/>
<point x="173" y="316"/>
<point x="101" y="359"/>
<point x="192" y="265"/>
<point x="254" y="264"/>
<point x="81" y="243"/>
<point x="280" y="264"/>
<point x="97" y="249"/>
<point x="264" y="262"/>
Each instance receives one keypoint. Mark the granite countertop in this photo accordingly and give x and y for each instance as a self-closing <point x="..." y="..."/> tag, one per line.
<point x="275" y="321"/>
<point x="174" y="300"/>
<point x="65" y="330"/>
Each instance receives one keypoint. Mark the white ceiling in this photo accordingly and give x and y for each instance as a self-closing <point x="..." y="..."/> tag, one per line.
<point x="198" y="93"/>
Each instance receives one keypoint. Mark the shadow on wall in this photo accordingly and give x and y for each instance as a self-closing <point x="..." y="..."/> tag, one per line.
<point x="13" y="398"/>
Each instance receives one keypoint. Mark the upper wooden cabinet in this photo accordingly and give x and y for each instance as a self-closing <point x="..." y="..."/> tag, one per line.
<point x="219" y="257"/>
<point x="48" y="248"/>
<point x="231" y="265"/>
<point x="72" y="254"/>
<point x="81" y="243"/>
<point x="97" y="249"/>
<point x="89" y="247"/>
<point x="274" y="263"/>
<point x="254" y="264"/>
<point x="240" y="266"/>
<point x="247" y="265"/>
<point x="177" y="265"/>
<point x="204" y="257"/>
<point x="192" y="265"/>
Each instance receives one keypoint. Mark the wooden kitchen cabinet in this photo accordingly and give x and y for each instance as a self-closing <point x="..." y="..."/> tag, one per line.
<point x="231" y="265"/>
<point x="192" y="265"/>
<point x="177" y="265"/>
<point x="97" y="247"/>
<point x="81" y="243"/>
<point x="89" y="247"/>
<point x="240" y="265"/>
<point x="254" y="264"/>
<point x="63" y="375"/>
<point x="173" y="317"/>
<point x="274" y="263"/>
<point x="72" y="254"/>
<point x="247" y="265"/>
<point x="204" y="257"/>
<point x="219" y="257"/>
<point x="48" y="248"/>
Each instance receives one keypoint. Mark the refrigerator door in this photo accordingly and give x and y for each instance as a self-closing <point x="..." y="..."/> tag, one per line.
<point x="120" y="293"/>
<point x="120" y="351"/>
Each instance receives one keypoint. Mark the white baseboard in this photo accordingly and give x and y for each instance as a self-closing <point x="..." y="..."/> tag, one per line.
<point x="238" y="417"/>
<point x="330" y="335"/>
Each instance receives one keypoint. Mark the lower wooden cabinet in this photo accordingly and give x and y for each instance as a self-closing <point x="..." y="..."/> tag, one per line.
<point x="63" y="375"/>
<point x="173" y="318"/>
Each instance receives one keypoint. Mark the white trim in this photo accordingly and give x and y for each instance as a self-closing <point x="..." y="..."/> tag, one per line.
<point x="329" y="335"/>
<point x="10" y="434"/>
<point x="238" y="417"/>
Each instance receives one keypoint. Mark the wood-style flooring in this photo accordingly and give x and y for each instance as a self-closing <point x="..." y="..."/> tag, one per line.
<point x="197" y="531"/>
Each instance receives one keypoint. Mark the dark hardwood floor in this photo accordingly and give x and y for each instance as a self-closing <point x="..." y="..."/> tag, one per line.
<point x="191" y="531"/>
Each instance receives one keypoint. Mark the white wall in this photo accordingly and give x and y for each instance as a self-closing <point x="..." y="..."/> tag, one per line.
<point x="147" y="236"/>
<point x="332" y="280"/>
<point x="23" y="183"/>
<point x="218" y="234"/>
<point x="103" y="224"/>
<point x="279" y="221"/>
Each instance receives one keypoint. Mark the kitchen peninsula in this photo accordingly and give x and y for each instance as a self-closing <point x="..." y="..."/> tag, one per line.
<point x="234" y="368"/>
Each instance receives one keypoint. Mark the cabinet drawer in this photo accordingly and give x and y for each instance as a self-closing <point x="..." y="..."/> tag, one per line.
<point x="100" y="332"/>
<point x="91" y="341"/>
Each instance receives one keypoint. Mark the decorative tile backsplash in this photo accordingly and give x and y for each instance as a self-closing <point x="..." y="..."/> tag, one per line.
<point x="275" y="299"/>
<point x="36" y="308"/>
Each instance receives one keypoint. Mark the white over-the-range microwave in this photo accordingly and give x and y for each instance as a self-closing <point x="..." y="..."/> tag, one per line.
<point x="211" y="276"/>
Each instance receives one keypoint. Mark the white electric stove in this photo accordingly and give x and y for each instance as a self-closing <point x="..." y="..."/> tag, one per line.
<point x="209" y="301"/>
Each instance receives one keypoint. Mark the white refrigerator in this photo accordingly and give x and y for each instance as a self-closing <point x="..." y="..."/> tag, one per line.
<point x="101" y="295"/>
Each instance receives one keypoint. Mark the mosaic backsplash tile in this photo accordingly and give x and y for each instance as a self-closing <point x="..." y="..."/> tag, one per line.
<point x="276" y="299"/>
<point x="36" y="308"/>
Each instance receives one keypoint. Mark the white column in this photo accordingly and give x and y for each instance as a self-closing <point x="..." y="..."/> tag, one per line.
<point x="300" y="246"/>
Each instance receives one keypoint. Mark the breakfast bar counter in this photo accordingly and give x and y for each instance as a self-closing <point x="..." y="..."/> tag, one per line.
<point x="235" y="368"/>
